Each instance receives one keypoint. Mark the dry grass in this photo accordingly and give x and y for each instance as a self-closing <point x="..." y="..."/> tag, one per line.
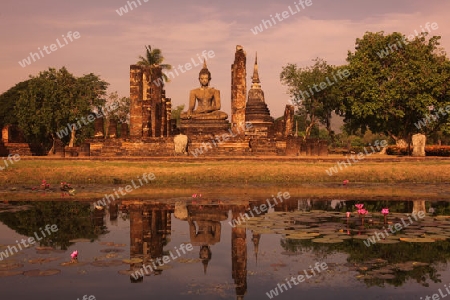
<point x="186" y="174"/>
<point x="395" y="180"/>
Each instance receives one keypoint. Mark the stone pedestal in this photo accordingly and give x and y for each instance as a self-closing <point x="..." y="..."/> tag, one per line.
<point x="418" y="143"/>
<point x="199" y="127"/>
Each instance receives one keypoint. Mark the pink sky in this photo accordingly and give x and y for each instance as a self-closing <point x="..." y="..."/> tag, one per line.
<point x="109" y="43"/>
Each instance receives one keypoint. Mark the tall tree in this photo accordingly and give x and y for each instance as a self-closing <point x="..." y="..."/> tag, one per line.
<point x="394" y="83"/>
<point x="154" y="57"/>
<point x="53" y="101"/>
<point x="176" y="113"/>
<point x="314" y="90"/>
<point x="7" y="102"/>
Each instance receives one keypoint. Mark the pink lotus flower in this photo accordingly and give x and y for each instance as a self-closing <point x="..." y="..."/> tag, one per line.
<point x="194" y="195"/>
<point x="385" y="211"/>
<point x="363" y="211"/>
<point x="348" y="214"/>
<point x="359" y="206"/>
<point x="74" y="254"/>
<point x="345" y="182"/>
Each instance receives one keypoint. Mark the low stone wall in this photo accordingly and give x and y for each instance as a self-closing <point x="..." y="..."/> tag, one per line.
<point x="204" y="145"/>
<point x="131" y="147"/>
<point x="23" y="149"/>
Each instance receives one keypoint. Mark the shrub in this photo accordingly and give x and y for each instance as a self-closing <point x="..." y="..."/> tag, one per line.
<point x="429" y="150"/>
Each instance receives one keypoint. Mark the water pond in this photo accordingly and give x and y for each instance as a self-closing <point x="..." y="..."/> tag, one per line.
<point x="199" y="248"/>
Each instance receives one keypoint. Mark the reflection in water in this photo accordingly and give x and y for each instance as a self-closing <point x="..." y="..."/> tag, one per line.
<point x="300" y="224"/>
<point x="74" y="220"/>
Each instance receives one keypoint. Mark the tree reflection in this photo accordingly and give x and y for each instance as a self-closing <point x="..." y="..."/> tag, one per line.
<point x="74" y="220"/>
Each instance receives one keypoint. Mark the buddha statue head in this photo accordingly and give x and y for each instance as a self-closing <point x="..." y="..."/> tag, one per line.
<point x="204" y="76"/>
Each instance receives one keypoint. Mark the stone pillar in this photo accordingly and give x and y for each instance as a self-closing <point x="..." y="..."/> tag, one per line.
<point x="293" y="146"/>
<point x="112" y="128"/>
<point x="418" y="142"/>
<point x="136" y="77"/>
<point x="288" y="120"/>
<point x="238" y="90"/>
<point x="163" y="117"/>
<point x="99" y="127"/>
<point x="323" y="148"/>
<point x="155" y="95"/>
<point x="168" y="115"/>
<point x="124" y="130"/>
<point x="136" y="229"/>
<point x="239" y="254"/>
<point x="5" y="134"/>
<point x="309" y="147"/>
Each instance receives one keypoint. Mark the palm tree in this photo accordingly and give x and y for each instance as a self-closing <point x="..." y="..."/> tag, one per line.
<point x="154" y="57"/>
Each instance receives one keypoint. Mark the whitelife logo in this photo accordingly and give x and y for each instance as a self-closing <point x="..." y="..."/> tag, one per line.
<point x="48" y="228"/>
<point x="53" y="47"/>
<point x="280" y="17"/>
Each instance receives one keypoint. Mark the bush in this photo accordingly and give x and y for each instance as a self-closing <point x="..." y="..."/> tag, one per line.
<point x="437" y="150"/>
<point x="429" y="150"/>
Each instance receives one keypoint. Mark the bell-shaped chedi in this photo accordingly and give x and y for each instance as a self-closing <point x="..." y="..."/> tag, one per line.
<point x="256" y="111"/>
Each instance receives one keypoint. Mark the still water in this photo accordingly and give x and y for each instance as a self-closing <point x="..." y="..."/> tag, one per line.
<point x="194" y="248"/>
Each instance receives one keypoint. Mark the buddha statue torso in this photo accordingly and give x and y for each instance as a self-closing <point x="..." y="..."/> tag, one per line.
<point x="204" y="102"/>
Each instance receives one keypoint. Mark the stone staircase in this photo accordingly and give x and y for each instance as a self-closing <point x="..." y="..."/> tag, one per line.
<point x="23" y="149"/>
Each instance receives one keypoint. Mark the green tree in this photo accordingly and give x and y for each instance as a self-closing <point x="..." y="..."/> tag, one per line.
<point x="55" y="100"/>
<point x="176" y="112"/>
<point x="116" y="108"/>
<point x="154" y="57"/>
<point x="7" y="102"/>
<point x="393" y="82"/>
<point x="314" y="90"/>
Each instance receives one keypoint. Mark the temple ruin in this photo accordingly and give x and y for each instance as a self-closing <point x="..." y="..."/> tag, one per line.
<point x="151" y="131"/>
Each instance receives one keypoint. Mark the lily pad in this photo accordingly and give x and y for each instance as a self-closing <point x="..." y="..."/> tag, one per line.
<point x="384" y="276"/>
<point x="163" y="267"/>
<point x="10" y="273"/>
<point x="417" y="240"/>
<point x="361" y="237"/>
<point x="126" y="272"/>
<point x="44" y="248"/>
<point x="37" y="272"/>
<point x="111" y="250"/>
<point x="73" y="264"/>
<point x="80" y="241"/>
<point x="42" y="260"/>
<point x="8" y="266"/>
<point x="436" y="237"/>
<point x="106" y="263"/>
<point x="134" y="260"/>
<point x="327" y="241"/>
<point x="188" y="260"/>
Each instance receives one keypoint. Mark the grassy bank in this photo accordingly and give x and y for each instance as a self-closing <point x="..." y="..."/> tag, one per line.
<point x="187" y="174"/>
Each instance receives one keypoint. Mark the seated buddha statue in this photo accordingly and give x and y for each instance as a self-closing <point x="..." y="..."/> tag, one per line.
<point x="204" y="102"/>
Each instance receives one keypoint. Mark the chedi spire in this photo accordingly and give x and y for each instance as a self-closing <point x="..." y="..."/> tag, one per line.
<point x="256" y="83"/>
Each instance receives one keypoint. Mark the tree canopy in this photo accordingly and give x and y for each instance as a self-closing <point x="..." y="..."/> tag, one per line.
<point x="154" y="57"/>
<point x="394" y="83"/>
<point x="8" y="101"/>
<point x="55" y="99"/>
<point x="314" y="90"/>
